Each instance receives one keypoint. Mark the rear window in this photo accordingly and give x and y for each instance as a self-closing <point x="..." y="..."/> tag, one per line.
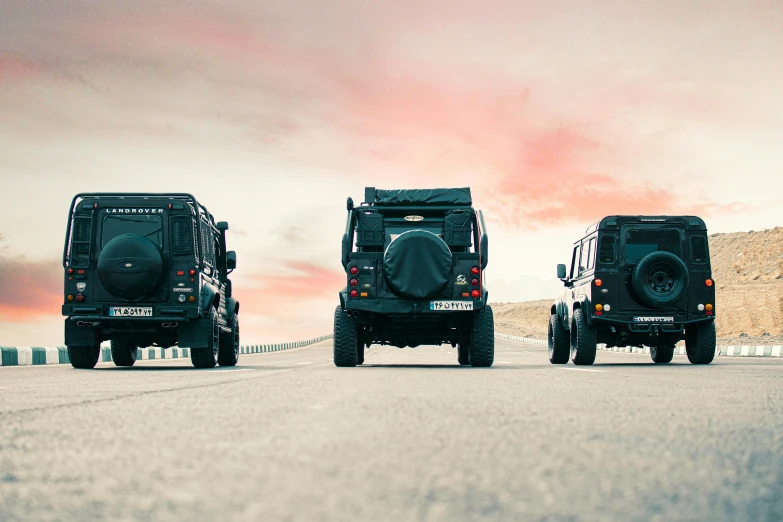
<point x="699" y="249"/>
<point x="639" y="243"/>
<point x="607" y="249"/>
<point x="150" y="227"/>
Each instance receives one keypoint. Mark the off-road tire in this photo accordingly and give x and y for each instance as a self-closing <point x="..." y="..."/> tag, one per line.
<point x="206" y="356"/>
<point x="84" y="357"/>
<point x="482" y="338"/>
<point x="662" y="354"/>
<point x="700" y="343"/>
<point x="123" y="352"/>
<point x="559" y="348"/>
<point x="228" y="354"/>
<point x="345" y="340"/>
<point x="463" y="354"/>
<point x="583" y="340"/>
<point x="676" y="272"/>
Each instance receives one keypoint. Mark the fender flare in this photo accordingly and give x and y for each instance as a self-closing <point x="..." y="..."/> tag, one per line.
<point x="232" y="306"/>
<point x="209" y="297"/>
<point x="583" y="302"/>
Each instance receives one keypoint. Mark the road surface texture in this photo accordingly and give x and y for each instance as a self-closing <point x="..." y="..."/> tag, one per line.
<point x="409" y="436"/>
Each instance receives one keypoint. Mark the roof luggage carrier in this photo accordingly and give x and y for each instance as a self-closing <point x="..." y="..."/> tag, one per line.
<point x="198" y="208"/>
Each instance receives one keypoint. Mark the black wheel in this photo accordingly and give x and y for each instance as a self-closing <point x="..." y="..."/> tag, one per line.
<point x="558" y="342"/>
<point x="583" y="341"/>
<point x="659" y="279"/>
<point x="482" y="338"/>
<point x="346" y="339"/>
<point x="662" y="354"/>
<point x="463" y="354"/>
<point x="228" y="354"/>
<point x="206" y="356"/>
<point x="84" y="357"/>
<point x="123" y="352"/>
<point x="700" y="343"/>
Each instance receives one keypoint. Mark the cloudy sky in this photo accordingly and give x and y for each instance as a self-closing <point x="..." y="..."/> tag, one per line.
<point x="272" y="113"/>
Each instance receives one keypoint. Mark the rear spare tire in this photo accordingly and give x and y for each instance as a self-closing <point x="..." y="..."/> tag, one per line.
<point x="130" y="266"/>
<point x="659" y="279"/>
<point x="417" y="264"/>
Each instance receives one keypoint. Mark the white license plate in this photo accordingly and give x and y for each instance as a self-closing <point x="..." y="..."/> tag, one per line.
<point x="654" y="319"/>
<point x="130" y="311"/>
<point x="451" y="305"/>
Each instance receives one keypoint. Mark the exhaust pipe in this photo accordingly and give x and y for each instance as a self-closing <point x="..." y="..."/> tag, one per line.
<point x="83" y="323"/>
<point x="170" y="325"/>
<point x="355" y="314"/>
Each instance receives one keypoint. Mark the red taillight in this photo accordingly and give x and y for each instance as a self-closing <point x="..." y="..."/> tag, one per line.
<point x="598" y="282"/>
<point x="80" y="272"/>
<point x="70" y="270"/>
<point x="192" y="272"/>
<point x="170" y="205"/>
<point x="708" y="282"/>
<point x="79" y="297"/>
<point x="474" y="282"/>
<point x="354" y="293"/>
<point x="475" y="293"/>
<point x="354" y="282"/>
<point x="180" y="272"/>
<point x="475" y="270"/>
<point x="354" y="270"/>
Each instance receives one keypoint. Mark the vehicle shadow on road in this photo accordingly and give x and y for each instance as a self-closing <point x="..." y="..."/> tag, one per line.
<point x="450" y="366"/>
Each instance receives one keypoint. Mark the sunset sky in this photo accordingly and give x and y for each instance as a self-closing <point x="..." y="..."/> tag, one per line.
<point x="272" y="113"/>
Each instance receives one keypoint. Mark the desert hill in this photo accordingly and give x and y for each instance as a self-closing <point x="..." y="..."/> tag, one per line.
<point x="748" y="271"/>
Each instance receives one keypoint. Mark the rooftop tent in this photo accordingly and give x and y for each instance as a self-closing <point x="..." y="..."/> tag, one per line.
<point x="420" y="197"/>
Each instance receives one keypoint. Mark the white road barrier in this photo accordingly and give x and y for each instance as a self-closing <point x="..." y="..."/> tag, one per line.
<point x="34" y="355"/>
<point x="720" y="351"/>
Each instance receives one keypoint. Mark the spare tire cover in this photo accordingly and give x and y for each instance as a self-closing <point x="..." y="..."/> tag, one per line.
<point x="130" y="266"/>
<point x="660" y="279"/>
<point x="417" y="264"/>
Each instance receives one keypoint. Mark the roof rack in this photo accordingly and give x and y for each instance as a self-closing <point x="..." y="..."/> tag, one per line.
<point x="197" y="207"/>
<point x="592" y="228"/>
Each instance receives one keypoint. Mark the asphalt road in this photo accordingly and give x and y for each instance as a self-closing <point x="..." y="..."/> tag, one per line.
<point x="409" y="436"/>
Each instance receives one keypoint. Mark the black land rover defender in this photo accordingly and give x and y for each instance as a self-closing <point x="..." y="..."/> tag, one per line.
<point x="144" y="269"/>
<point x="414" y="263"/>
<point x="637" y="280"/>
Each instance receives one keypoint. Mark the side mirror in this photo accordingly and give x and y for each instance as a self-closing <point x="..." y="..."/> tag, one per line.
<point x="231" y="260"/>
<point x="222" y="226"/>
<point x="228" y="288"/>
<point x="561" y="272"/>
<point x="349" y="204"/>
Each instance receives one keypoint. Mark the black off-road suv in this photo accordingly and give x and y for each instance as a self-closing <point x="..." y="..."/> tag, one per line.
<point x="144" y="269"/>
<point x="637" y="280"/>
<point x="414" y="263"/>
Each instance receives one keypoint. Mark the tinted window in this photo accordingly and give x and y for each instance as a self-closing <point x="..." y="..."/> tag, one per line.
<point x="639" y="243"/>
<point x="583" y="257"/>
<point x="699" y="249"/>
<point x="150" y="227"/>
<point x="591" y="254"/>
<point x="608" y="249"/>
<point x="574" y="260"/>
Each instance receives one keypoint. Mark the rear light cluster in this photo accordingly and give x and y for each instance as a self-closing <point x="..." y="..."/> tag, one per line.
<point x="475" y="282"/>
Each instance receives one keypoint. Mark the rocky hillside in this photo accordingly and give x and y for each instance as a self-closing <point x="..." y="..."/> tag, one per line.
<point x="748" y="270"/>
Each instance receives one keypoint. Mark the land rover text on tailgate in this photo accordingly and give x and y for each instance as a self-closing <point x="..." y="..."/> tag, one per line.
<point x="147" y="269"/>
<point x="414" y="262"/>
<point x="637" y="280"/>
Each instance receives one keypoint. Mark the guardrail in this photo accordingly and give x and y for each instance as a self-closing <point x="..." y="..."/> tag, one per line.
<point x="720" y="351"/>
<point x="34" y="355"/>
<point x="526" y="340"/>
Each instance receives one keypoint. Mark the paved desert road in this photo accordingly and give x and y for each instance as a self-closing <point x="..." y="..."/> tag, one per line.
<point x="409" y="436"/>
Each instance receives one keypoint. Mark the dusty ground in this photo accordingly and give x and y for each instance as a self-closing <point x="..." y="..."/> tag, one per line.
<point x="748" y="270"/>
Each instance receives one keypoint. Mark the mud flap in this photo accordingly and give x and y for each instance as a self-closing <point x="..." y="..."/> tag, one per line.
<point x="79" y="335"/>
<point x="195" y="334"/>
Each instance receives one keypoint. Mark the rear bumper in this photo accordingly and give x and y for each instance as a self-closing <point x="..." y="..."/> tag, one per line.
<point x="162" y="313"/>
<point x="401" y="306"/>
<point x="674" y="326"/>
